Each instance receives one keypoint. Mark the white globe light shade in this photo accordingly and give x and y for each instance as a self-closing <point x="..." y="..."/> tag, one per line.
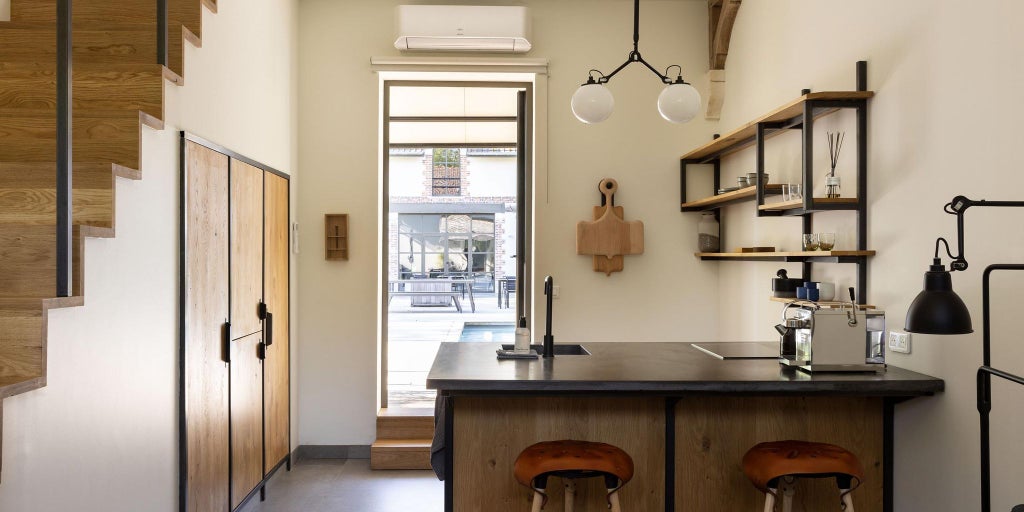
<point x="679" y="103"/>
<point x="592" y="103"/>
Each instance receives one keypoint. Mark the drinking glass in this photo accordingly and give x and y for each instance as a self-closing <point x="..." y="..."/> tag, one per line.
<point x="785" y="192"/>
<point x="810" y="242"/>
<point x="826" y="241"/>
<point x="795" y="191"/>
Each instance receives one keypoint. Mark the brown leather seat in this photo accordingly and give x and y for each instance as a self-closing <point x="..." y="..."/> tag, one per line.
<point x="767" y="462"/>
<point x="578" y="457"/>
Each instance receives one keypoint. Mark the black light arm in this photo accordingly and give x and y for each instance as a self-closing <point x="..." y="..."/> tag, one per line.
<point x="634" y="56"/>
<point x="957" y="207"/>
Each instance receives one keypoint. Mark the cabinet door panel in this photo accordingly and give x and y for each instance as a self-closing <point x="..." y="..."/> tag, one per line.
<point x="204" y="378"/>
<point x="246" y="248"/>
<point x="275" y="370"/>
<point x="246" y="417"/>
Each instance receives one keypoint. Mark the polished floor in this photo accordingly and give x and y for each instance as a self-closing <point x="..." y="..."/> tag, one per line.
<point x="336" y="485"/>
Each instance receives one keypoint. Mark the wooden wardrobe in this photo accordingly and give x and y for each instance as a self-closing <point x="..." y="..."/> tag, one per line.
<point x="234" y="417"/>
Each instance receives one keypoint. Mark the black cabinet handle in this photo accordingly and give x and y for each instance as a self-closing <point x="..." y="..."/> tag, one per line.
<point x="261" y="311"/>
<point x="226" y="342"/>
<point x="268" y="327"/>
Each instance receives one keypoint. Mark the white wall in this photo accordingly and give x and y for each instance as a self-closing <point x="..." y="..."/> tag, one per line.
<point x="492" y="176"/>
<point x="103" y="434"/>
<point x="339" y="111"/>
<point x="944" y="122"/>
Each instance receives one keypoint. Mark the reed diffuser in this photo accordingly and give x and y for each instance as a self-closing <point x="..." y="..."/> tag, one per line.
<point x="835" y="144"/>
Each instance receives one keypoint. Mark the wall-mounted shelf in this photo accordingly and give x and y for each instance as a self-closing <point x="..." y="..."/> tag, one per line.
<point x="785" y="117"/>
<point x="824" y="304"/>
<point x="817" y="204"/>
<point x="801" y="256"/>
<point x="799" y="114"/>
<point x="336" y="236"/>
<point x="736" y="196"/>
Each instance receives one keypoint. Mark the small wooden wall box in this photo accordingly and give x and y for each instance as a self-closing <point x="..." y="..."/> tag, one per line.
<point x="336" y="236"/>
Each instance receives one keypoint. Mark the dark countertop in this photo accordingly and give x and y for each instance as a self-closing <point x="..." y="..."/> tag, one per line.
<point x="657" y="368"/>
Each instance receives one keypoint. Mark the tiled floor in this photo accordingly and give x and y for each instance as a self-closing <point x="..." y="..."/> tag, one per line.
<point x="335" y="485"/>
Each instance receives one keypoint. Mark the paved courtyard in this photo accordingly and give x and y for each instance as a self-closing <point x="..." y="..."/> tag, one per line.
<point x="416" y="332"/>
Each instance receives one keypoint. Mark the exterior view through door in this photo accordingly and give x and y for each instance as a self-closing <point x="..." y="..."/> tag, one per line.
<point x="452" y="185"/>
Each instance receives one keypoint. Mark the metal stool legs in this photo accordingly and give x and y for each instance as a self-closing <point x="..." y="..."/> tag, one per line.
<point x="540" y="485"/>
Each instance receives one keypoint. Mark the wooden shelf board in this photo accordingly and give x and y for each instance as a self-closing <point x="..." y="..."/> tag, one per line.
<point x="824" y="304"/>
<point x="779" y="255"/>
<point x="734" y="141"/>
<point x="712" y="202"/>
<point x="799" y="203"/>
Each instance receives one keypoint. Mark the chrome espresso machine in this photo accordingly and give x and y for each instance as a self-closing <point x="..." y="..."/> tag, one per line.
<point x="846" y="339"/>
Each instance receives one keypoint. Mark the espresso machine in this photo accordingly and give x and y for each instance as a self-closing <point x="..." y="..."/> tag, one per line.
<point x="831" y="340"/>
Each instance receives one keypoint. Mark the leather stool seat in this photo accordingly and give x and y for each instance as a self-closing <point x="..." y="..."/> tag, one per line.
<point x="767" y="463"/>
<point x="569" y="459"/>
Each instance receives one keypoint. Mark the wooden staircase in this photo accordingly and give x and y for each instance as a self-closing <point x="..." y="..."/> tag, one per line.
<point x="403" y="439"/>
<point x="117" y="89"/>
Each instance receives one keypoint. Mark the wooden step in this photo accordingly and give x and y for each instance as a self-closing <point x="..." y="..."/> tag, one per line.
<point x="28" y="262"/>
<point x="115" y="11"/>
<point x="92" y="43"/>
<point x="405" y="424"/>
<point x="400" y="454"/>
<point x="98" y="137"/>
<point x="106" y="87"/>
<point x="28" y="193"/>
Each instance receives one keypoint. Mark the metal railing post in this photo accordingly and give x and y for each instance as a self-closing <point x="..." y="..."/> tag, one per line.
<point x="64" y="150"/>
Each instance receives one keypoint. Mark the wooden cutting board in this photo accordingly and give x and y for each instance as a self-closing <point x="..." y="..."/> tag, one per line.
<point x="609" y="236"/>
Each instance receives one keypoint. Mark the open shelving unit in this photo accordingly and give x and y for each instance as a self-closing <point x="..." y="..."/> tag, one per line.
<point x="798" y="114"/>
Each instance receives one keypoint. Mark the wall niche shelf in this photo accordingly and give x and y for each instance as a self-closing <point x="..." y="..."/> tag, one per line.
<point x="798" y="114"/>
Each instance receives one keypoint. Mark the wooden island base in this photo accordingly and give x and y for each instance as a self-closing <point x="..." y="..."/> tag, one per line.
<point x="712" y="432"/>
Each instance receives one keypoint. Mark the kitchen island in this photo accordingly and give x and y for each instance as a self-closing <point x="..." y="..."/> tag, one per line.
<point x="684" y="416"/>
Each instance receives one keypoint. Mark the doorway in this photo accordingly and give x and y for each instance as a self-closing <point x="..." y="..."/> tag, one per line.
<point x="455" y="244"/>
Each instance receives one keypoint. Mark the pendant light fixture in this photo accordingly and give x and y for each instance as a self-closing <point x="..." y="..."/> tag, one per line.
<point x="593" y="102"/>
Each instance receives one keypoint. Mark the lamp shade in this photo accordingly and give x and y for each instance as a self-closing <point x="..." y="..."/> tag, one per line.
<point x="938" y="309"/>
<point x="592" y="103"/>
<point x="679" y="102"/>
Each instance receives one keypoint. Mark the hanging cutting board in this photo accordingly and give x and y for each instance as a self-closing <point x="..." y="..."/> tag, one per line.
<point x="601" y="263"/>
<point x="609" y="236"/>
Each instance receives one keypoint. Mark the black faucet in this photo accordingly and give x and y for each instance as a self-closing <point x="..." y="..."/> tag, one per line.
<point x="549" y="340"/>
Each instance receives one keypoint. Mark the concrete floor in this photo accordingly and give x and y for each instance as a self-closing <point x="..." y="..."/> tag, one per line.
<point x="339" y="485"/>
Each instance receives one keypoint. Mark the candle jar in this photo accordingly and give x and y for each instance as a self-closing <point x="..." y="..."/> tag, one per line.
<point x="832" y="186"/>
<point x="707" y="234"/>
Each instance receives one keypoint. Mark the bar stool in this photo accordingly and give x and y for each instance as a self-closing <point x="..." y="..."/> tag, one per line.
<point x="778" y="463"/>
<point x="570" y="460"/>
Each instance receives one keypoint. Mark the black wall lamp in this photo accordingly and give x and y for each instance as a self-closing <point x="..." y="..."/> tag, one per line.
<point x="939" y="310"/>
<point x="677" y="103"/>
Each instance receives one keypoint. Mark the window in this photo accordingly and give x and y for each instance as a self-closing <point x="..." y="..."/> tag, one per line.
<point x="447" y="173"/>
<point x="440" y="245"/>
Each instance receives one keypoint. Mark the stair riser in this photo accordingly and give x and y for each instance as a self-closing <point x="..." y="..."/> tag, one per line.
<point x="114" y="11"/>
<point x="28" y="263"/>
<point x="113" y="139"/>
<point x="92" y="90"/>
<point x="21" y="361"/>
<point x="414" y="427"/>
<point x="20" y="331"/>
<point x="385" y="458"/>
<point x="92" y="207"/>
<point x="89" y="47"/>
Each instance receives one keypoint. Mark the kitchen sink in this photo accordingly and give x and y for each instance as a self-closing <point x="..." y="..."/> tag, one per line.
<point x="560" y="349"/>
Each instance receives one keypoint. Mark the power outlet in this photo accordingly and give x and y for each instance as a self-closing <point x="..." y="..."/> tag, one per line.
<point x="556" y="290"/>
<point x="899" y="342"/>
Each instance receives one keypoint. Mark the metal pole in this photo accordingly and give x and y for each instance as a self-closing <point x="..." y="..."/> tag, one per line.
<point x="161" y="32"/>
<point x="64" y="151"/>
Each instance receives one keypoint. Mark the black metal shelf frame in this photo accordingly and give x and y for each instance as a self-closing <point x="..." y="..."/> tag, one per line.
<point x="805" y="123"/>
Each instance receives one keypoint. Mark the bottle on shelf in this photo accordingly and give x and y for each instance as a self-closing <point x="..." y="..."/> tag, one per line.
<point x="708" y="234"/>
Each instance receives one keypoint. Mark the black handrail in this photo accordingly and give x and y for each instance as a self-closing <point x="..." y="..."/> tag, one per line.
<point x="64" y="151"/>
<point x="161" y="32"/>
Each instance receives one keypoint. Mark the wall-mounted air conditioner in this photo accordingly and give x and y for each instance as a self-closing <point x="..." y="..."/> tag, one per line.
<point x="462" y="28"/>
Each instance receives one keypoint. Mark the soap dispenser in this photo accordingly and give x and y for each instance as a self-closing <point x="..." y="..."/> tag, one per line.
<point x="522" y="337"/>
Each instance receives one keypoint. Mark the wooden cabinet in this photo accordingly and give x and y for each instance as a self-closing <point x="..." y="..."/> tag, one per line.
<point x="235" y="405"/>
<point x="275" y="294"/>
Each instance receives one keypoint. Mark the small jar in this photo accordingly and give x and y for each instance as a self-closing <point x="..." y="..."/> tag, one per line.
<point x="707" y="234"/>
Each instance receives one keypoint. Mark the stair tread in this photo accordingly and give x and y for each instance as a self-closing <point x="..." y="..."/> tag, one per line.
<point x="404" y="412"/>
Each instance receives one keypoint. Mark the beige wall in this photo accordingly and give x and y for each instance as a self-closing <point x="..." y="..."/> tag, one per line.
<point x="338" y="113"/>
<point x="944" y="122"/>
<point x="103" y="434"/>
